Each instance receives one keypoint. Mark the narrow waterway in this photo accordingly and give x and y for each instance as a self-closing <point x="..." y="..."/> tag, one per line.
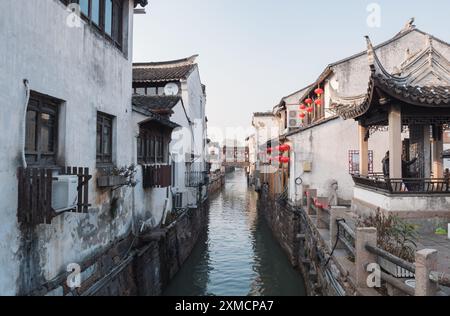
<point x="237" y="255"/>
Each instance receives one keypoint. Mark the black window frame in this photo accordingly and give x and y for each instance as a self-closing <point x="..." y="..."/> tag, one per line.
<point x="103" y="121"/>
<point x="117" y="18"/>
<point x="42" y="104"/>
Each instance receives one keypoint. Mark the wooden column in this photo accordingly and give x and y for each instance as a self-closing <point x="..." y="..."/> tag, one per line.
<point x="395" y="142"/>
<point x="427" y="151"/>
<point x="363" y="151"/>
<point x="438" y="148"/>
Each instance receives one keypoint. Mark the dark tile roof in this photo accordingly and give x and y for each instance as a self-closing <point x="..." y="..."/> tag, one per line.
<point x="262" y="114"/>
<point x="142" y="3"/>
<point x="154" y="117"/>
<point x="432" y="96"/>
<point x="155" y="103"/>
<point x="164" y="71"/>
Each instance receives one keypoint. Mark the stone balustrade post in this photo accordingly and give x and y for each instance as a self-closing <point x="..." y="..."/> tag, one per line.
<point x="311" y="194"/>
<point x="336" y="213"/>
<point x="426" y="261"/>
<point x="364" y="236"/>
<point x="321" y="203"/>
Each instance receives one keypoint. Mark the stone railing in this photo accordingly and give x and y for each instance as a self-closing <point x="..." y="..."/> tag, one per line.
<point x="361" y="244"/>
<point x="427" y="279"/>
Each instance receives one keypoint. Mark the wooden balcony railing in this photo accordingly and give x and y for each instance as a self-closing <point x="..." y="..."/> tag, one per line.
<point x="156" y="176"/>
<point x="35" y="187"/>
<point x="195" y="179"/>
<point x="403" y="186"/>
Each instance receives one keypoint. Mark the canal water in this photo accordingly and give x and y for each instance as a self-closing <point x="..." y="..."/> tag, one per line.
<point x="237" y="255"/>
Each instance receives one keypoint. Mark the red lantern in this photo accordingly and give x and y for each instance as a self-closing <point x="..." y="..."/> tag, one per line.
<point x="309" y="110"/>
<point x="302" y="115"/>
<point x="302" y="107"/>
<point x="269" y="150"/>
<point x="285" y="159"/>
<point x="318" y="102"/>
<point x="318" y="91"/>
<point x="309" y="101"/>
<point x="285" y="148"/>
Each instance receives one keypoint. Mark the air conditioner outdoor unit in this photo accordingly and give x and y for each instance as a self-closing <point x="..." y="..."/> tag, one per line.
<point x="64" y="193"/>
<point x="178" y="200"/>
<point x="293" y="120"/>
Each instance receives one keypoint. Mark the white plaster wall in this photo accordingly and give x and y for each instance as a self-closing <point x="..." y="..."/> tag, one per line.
<point x="267" y="128"/>
<point x="90" y="75"/>
<point x="327" y="146"/>
<point x="414" y="204"/>
<point x="195" y="104"/>
<point x="180" y="145"/>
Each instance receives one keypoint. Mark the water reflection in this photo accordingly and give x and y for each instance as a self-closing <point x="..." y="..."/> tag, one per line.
<point x="237" y="255"/>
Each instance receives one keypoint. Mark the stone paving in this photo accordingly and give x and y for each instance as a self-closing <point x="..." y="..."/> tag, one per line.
<point x="442" y="245"/>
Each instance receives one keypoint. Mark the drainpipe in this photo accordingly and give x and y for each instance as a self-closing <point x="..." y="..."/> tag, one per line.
<point x="24" y="122"/>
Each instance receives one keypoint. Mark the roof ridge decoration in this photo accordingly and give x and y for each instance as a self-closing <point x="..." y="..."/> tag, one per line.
<point x="404" y="87"/>
<point x="353" y="106"/>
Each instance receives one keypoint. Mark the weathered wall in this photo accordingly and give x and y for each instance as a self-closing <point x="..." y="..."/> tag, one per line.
<point x="304" y="247"/>
<point x="72" y="64"/>
<point x="216" y="183"/>
<point x="133" y="266"/>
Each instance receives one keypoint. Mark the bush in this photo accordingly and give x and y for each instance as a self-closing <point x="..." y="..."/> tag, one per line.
<point x="394" y="234"/>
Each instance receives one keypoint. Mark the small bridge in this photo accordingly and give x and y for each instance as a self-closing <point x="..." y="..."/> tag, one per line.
<point x="234" y="156"/>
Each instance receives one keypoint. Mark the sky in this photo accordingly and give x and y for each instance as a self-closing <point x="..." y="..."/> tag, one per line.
<point x="254" y="52"/>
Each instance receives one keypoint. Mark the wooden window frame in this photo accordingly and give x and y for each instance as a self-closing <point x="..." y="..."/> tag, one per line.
<point x="102" y="121"/>
<point x="42" y="104"/>
<point x="154" y="147"/>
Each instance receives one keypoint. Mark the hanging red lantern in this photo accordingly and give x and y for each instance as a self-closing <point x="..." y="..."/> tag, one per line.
<point x="284" y="148"/>
<point x="269" y="150"/>
<point x="302" y="115"/>
<point x="302" y="107"/>
<point x="318" y="102"/>
<point x="309" y="110"/>
<point x="309" y="101"/>
<point x="318" y="91"/>
<point x="285" y="159"/>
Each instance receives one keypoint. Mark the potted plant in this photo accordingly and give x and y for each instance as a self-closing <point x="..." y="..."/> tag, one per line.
<point x="395" y="236"/>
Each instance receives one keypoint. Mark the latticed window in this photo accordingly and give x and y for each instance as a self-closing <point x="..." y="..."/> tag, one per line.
<point x="152" y="147"/>
<point x="104" y="138"/>
<point x="41" y="138"/>
<point x="353" y="161"/>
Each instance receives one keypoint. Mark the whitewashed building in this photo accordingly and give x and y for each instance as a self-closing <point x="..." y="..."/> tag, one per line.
<point x="174" y="88"/>
<point x="330" y="147"/>
<point x="65" y="82"/>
